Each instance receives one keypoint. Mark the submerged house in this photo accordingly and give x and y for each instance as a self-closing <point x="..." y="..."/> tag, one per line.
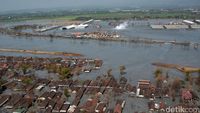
<point x="186" y="95"/>
<point x="142" y="88"/>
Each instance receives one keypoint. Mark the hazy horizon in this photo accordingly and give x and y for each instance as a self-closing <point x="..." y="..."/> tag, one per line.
<point x="11" y="5"/>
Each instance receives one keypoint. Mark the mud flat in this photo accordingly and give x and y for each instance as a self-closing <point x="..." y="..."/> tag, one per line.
<point x="41" y="52"/>
<point x="181" y="68"/>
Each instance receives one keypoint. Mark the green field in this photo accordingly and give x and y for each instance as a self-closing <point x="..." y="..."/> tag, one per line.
<point x="103" y="15"/>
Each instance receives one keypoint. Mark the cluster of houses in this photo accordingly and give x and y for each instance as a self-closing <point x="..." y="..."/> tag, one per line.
<point x="161" y="97"/>
<point x="47" y="96"/>
<point x="74" y="64"/>
<point x="24" y="92"/>
<point x="27" y="93"/>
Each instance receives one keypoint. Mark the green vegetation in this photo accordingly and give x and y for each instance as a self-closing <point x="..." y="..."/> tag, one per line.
<point x="122" y="69"/>
<point x="64" y="72"/>
<point x="52" y="68"/>
<point x="157" y="72"/>
<point x="27" y="80"/>
<point x="187" y="76"/>
<point x="136" y="15"/>
<point x="103" y="15"/>
<point x="159" y="80"/>
<point x="66" y="93"/>
<point x="25" y="67"/>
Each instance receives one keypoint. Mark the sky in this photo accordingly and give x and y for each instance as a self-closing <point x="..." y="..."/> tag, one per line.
<point x="9" y="5"/>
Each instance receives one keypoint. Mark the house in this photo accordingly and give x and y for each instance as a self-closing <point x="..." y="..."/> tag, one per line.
<point x="43" y="104"/>
<point x="48" y="110"/>
<point x="119" y="106"/>
<point x="98" y="63"/>
<point x="118" y="109"/>
<point x="105" y="83"/>
<point x="76" y="101"/>
<point x="162" y="106"/>
<point x="40" y="87"/>
<point x="13" y="101"/>
<point x="142" y="88"/>
<point x="90" y="105"/>
<point x="86" y="83"/>
<point x="43" y="96"/>
<point x="24" y="103"/>
<point x="51" y="95"/>
<point x="131" y="89"/>
<point x="123" y="80"/>
<point x="101" y="107"/>
<point x="4" y="99"/>
<point x="58" y="106"/>
<point x="113" y="82"/>
<point x="186" y="95"/>
<point x="151" y="105"/>
<point x="65" y="108"/>
<point x="71" y="109"/>
<point x="51" y="104"/>
<point x="57" y="96"/>
<point x="30" y="87"/>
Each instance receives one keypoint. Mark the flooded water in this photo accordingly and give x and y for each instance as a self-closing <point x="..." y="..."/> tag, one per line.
<point x="136" y="57"/>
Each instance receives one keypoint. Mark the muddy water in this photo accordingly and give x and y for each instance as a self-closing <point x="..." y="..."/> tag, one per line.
<point x="136" y="57"/>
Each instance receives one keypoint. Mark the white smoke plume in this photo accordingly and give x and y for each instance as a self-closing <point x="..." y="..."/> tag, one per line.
<point x="122" y="26"/>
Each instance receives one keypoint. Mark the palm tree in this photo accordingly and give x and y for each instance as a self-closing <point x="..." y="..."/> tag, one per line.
<point x="187" y="76"/>
<point x="122" y="69"/>
<point x="157" y="72"/>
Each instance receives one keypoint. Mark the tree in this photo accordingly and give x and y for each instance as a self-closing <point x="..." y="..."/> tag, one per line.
<point x="27" y="80"/>
<point x="122" y="69"/>
<point x="66" y="93"/>
<point x="159" y="81"/>
<point x="64" y="72"/>
<point x="157" y="72"/>
<point x="24" y="68"/>
<point x="187" y="76"/>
